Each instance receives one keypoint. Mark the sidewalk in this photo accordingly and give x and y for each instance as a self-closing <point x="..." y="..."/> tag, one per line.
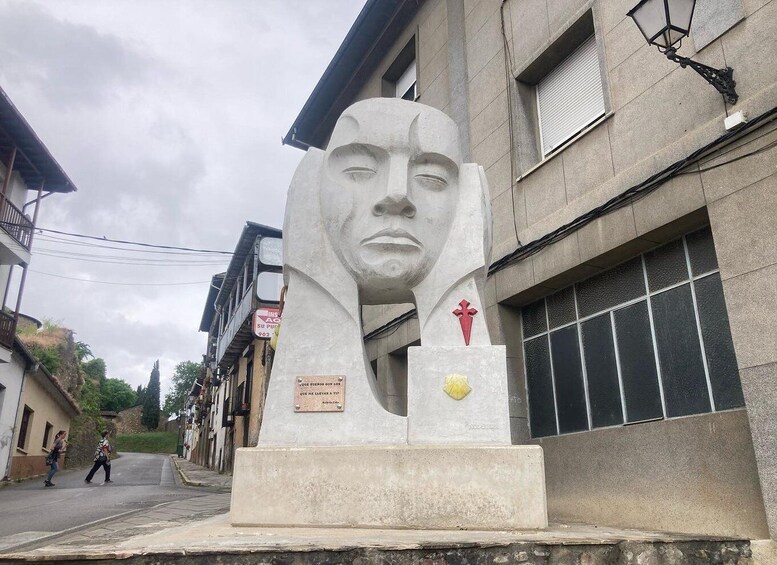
<point x="196" y="476"/>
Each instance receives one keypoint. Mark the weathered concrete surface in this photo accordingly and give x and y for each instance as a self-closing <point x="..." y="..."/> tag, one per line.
<point x="426" y="487"/>
<point x="215" y="541"/>
<point x="435" y="418"/>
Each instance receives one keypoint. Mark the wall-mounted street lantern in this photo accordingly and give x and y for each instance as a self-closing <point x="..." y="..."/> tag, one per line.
<point x="665" y="23"/>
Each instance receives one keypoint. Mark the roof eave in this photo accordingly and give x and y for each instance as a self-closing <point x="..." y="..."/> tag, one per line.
<point x="378" y="24"/>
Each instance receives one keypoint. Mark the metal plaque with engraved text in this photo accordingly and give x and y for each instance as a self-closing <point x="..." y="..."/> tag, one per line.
<point x="321" y="393"/>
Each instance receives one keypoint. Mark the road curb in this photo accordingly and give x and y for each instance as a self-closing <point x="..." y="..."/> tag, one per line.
<point x="186" y="480"/>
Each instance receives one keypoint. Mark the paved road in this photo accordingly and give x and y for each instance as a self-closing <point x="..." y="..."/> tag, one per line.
<point x="29" y="511"/>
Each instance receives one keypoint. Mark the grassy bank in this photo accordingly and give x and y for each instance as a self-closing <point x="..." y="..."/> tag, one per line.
<point x="149" y="442"/>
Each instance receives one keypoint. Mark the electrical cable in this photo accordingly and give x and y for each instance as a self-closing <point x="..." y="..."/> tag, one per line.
<point x="135" y="242"/>
<point x="137" y="263"/>
<point x="63" y="241"/>
<point x="628" y="196"/>
<point x="117" y="283"/>
<point x="509" y="65"/>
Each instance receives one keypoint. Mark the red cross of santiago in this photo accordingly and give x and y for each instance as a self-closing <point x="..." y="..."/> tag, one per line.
<point x="465" y="313"/>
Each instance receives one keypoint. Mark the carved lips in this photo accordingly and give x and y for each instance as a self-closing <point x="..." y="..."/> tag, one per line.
<point x="392" y="239"/>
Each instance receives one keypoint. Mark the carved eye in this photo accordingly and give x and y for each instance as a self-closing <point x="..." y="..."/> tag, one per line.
<point x="359" y="174"/>
<point x="435" y="182"/>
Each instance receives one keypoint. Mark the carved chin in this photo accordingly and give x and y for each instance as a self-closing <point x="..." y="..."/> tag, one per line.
<point x="404" y="269"/>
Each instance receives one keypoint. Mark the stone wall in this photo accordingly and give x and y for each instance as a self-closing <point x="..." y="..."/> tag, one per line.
<point x="128" y="422"/>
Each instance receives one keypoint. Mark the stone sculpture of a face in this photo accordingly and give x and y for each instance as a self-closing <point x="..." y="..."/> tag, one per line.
<point x="389" y="192"/>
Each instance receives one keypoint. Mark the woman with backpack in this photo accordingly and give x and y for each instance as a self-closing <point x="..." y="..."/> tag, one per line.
<point x="53" y="458"/>
<point x="102" y="458"/>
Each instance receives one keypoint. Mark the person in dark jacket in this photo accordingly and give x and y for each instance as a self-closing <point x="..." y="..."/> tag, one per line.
<point x="53" y="458"/>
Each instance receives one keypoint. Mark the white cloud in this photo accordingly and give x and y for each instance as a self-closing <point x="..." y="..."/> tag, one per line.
<point x="168" y="116"/>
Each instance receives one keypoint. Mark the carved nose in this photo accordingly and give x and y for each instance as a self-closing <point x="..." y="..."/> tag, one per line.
<point x="397" y="204"/>
<point x="397" y="200"/>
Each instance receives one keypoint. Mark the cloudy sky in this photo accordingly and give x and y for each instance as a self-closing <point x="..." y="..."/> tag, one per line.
<point x="167" y="115"/>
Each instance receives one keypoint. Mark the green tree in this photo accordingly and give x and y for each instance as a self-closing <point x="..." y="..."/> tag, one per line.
<point x="96" y="369"/>
<point x="186" y="372"/>
<point x="116" y="395"/>
<point x="150" y="415"/>
<point x="83" y="351"/>
<point x="90" y="399"/>
<point x="141" y="393"/>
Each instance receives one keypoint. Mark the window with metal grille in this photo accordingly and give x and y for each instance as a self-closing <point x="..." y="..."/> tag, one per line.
<point x="646" y="340"/>
<point x="570" y="97"/>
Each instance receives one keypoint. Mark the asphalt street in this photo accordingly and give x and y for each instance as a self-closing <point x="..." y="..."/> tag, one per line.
<point x="30" y="511"/>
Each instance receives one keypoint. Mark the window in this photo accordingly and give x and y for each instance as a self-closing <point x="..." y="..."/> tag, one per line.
<point x="570" y="96"/>
<point x="24" y="428"/>
<point x="401" y="77"/>
<point x="249" y="380"/>
<point x="405" y="86"/>
<point x="46" y="434"/>
<point x="558" y="92"/>
<point x="646" y="340"/>
<point x="226" y="417"/>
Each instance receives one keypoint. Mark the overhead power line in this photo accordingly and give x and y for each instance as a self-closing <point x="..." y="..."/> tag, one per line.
<point x="89" y="244"/>
<point x="126" y="242"/>
<point x="119" y="283"/>
<point x="119" y="260"/>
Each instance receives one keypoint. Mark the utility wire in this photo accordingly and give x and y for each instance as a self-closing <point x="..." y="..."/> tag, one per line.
<point x="136" y="262"/>
<point x="134" y="242"/>
<point x="118" y="283"/>
<point x="63" y="241"/>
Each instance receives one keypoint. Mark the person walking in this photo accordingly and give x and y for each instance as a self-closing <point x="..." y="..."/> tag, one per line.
<point x="102" y="458"/>
<point x="53" y="458"/>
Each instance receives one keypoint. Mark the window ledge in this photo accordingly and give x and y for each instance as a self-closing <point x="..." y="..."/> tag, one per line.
<point x="571" y="141"/>
<point x="44" y="450"/>
<point x="19" y="449"/>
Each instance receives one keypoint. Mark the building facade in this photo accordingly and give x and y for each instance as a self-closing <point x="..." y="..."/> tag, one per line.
<point x="28" y="173"/>
<point x="634" y="270"/>
<point x="226" y="411"/>
<point x="44" y="409"/>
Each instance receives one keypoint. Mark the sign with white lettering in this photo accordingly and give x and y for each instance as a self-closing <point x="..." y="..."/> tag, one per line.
<point x="265" y="321"/>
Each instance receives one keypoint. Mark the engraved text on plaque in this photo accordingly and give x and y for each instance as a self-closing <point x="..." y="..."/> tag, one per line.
<point x="324" y="393"/>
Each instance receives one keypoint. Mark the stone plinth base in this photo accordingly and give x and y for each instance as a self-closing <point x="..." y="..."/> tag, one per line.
<point x="424" y="487"/>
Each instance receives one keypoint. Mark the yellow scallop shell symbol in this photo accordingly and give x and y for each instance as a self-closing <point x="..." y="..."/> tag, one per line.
<point x="456" y="386"/>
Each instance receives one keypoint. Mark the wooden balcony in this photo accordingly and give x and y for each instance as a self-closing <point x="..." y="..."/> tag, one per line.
<point x="7" y="329"/>
<point x="15" y="223"/>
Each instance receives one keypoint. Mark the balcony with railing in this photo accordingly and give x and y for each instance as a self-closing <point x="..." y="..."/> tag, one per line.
<point x="15" y="223"/>
<point x="7" y="329"/>
<point x="237" y="333"/>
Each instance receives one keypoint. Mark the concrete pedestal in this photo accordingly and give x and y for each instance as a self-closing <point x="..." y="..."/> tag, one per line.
<point x="424" y="487"/>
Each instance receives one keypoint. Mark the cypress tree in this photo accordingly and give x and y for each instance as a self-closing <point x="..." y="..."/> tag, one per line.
<point x="150" y="415"/>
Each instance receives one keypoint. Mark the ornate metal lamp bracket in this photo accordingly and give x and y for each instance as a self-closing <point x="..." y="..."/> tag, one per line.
<point x="721" y="79"/>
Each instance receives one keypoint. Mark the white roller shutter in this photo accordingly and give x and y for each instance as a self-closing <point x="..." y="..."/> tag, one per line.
<point x="570" y="97"/>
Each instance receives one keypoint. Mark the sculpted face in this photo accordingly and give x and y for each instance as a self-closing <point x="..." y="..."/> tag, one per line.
<point x="389" y="192"/>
